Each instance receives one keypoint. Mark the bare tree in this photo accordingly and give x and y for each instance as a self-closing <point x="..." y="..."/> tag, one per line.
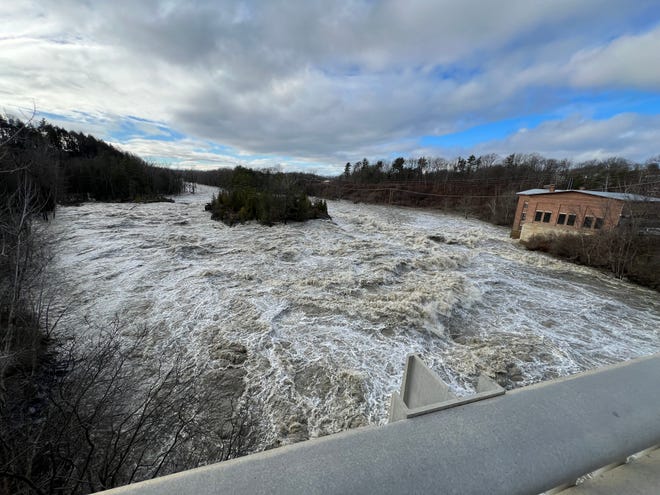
<point x="102" y="419"/>
<point x="21" y="199"/>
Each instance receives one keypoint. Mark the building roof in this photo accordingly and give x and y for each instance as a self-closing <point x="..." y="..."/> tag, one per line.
<point x="602" y="194"/>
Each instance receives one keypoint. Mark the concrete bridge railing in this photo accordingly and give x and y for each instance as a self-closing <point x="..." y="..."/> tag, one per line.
<point x="527" y="441"/>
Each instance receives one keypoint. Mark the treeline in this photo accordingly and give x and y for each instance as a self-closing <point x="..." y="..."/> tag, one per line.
<point x="483" y="186"/>
<point x="67" y="166"/>
<point x="265" y="196"/>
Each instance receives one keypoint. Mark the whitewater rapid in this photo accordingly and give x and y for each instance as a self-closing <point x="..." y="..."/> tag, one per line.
<point x="329" y="309"/>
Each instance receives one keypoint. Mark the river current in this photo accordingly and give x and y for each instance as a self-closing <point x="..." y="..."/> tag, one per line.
<point x="329" y="309"/>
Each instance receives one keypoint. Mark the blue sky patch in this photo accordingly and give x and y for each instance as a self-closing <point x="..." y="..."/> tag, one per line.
<point x="482" y="133"/>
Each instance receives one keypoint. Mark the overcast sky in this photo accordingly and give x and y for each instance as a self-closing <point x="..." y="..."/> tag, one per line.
<point x="313" y="84"/>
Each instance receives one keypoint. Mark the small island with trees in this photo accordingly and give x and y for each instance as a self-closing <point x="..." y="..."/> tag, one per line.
<point x="266" y="197"/>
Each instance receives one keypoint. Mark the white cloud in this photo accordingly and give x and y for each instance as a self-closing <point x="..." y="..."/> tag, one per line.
<point x="627" y="135"/>
<point x="201" y="155"/>
<point x="628" y="61"/>
<point x="184" y="153"/>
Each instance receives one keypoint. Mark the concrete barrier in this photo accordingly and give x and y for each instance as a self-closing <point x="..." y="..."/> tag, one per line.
<point x="424" y="392"/>
<point x="527" y="441"/>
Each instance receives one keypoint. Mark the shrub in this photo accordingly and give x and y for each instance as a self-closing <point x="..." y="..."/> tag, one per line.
<point x="621" y="251"/>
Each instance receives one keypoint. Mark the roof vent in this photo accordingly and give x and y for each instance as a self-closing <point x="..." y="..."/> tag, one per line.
<point x="550" y="187"/>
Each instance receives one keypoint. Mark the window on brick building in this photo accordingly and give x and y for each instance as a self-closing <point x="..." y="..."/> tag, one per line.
<point x="570" y="220"/>
<point x="538" y="216"/>
<point x="547" y="216"/>
<point x="588" y="222"/>
<point x="599" y="223"/>
<point x="561" y="219"/>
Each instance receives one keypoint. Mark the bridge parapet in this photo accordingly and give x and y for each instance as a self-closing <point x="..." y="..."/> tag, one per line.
<point x="527" y="441"/>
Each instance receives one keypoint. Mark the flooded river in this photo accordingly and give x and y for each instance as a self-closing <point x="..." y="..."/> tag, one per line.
<point x="328" y="309"/>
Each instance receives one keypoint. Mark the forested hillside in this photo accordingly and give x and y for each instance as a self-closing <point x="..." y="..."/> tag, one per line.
<point x="67" y="166"/>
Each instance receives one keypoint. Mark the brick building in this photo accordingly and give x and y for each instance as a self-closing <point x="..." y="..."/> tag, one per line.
<point x="555" y="211"/>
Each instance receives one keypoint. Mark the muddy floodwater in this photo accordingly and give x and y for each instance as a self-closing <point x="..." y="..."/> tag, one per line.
<point x="327" y="310"/>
